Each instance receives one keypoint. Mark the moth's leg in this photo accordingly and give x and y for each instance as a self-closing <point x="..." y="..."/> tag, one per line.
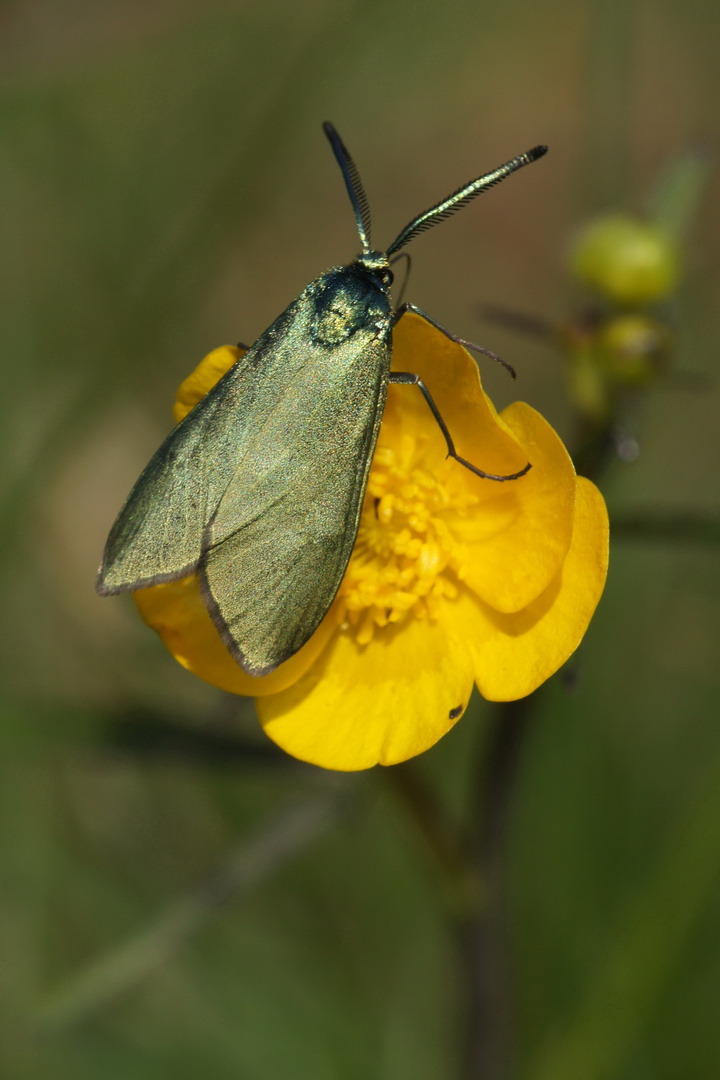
<point x="398" y="314"/>
<point x="403" y="255"/>
<point x="407" y="378"/>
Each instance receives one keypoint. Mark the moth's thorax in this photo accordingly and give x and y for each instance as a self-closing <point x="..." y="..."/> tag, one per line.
<point x="346" y="300"/>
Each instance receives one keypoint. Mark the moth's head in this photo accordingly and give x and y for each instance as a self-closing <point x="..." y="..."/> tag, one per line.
<point x="376" y="263"/>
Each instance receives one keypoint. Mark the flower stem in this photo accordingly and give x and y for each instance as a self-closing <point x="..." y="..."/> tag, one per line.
<point x="462" y="884"/>
<point x="481" y="934"/>
<point x="481" y="937"/>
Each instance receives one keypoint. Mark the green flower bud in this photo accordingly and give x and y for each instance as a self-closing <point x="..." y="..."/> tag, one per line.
<point x="627" y="260"/>
<point x="632" y="348"/>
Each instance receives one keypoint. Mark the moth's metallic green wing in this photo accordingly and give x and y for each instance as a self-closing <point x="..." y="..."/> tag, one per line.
<point x="260" y="488"/>
<point x="283" y="533"/>
<point x="158" y="534"/>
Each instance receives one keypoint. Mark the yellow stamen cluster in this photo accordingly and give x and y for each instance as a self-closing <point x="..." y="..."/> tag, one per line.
<point x="405" y="557"/>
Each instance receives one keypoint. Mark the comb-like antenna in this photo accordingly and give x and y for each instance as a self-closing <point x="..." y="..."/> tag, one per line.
<point x="353" y="183"/>
<point x="462" y="197"/>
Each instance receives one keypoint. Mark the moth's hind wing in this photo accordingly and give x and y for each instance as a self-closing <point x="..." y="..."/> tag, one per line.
<point x="278" y="547"/>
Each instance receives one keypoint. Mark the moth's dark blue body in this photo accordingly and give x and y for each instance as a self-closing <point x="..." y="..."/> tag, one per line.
<point x="259" y="490"/>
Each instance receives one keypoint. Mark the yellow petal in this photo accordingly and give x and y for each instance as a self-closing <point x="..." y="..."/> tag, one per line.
<point x="513" y="654"/>
<point x="517" y="541"/>
<point x="383" y="702"/>
<point x="177" y="612"/>
<point x="451" y="375"/>
<point x="519" y="531"/>
<point x="203" y="378"/>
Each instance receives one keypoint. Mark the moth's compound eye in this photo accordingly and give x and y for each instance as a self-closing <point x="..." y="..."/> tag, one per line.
<point x="387" y="277"/>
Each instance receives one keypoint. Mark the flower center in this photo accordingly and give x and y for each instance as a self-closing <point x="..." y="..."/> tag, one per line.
<point x="405" y="559"/>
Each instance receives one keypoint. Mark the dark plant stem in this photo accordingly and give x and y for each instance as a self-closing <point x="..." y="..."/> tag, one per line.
<point x="596" y="449"/>
<point x="481" y="935"/>
<point x="461" y="885"/>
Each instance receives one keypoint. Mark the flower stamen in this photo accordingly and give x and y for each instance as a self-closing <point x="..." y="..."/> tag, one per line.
<point x="406" y="558"/>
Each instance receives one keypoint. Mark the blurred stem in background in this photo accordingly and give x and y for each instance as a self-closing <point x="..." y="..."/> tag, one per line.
<point x="255" y="859"/>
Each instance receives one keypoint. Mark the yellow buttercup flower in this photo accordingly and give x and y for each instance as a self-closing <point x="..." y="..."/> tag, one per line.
<point x="453" y="580"/>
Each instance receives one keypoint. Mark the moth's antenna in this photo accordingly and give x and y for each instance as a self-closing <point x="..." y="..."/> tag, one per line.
<point x="462" y="197"/>
<point x="353" y="183"/>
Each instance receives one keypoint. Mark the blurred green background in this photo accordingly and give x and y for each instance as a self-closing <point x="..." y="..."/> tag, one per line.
<point x="176" y="899"/>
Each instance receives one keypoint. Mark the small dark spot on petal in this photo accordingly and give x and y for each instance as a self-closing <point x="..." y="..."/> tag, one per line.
<point x="454" y="713"/>
<point x="377" y="503"/>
